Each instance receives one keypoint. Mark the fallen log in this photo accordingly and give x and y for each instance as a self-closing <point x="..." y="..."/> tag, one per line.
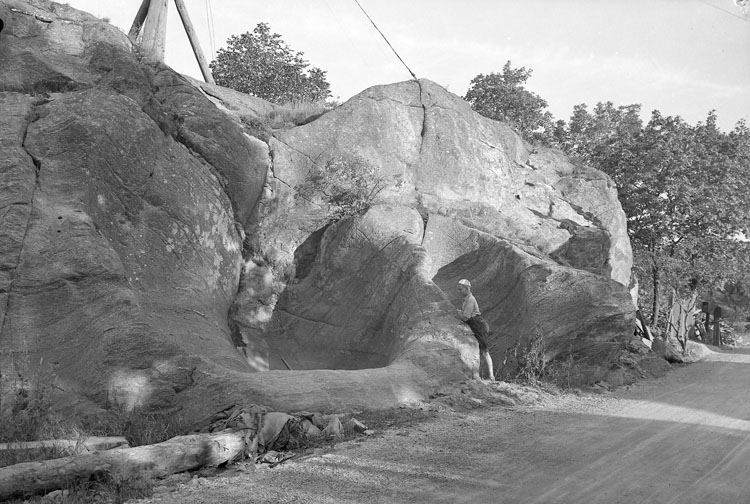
<point x="28" y="450"/>
<point x="178" y="454"/>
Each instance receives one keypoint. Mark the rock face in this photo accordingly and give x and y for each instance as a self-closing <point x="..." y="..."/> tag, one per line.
<point x="155" y="253"/>
<point x="543" y="241"/>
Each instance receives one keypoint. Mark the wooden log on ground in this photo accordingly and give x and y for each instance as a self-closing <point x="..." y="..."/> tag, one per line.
<point x="178" y="454"/>
<point x="29" y="450"/>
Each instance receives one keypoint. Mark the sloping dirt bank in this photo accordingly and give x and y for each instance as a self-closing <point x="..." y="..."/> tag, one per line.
<point x="680" y="438"/>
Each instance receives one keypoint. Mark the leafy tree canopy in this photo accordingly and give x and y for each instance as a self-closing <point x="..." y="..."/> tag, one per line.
<point x="260" y="63"/>
<point x="502" y="97"/>
<point x="684" y="188"/>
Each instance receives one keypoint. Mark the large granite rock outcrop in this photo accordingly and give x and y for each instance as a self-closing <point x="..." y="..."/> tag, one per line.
<point x="543" y="241"/>
<point x="154" y="252"/>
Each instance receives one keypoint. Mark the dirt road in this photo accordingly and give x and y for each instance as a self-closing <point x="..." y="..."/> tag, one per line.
<point x="683" y="438"/>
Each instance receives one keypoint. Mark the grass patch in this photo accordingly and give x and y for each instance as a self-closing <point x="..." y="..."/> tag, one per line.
<point x="100" y="489"/>
<point x="27" y="415"/>
<point x="26" y="402"/>
<point x="285" y="116"/>
<point x="139" y="427"/>
<point x="297" y="114"/>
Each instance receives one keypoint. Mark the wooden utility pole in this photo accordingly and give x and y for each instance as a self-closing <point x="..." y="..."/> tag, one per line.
<point x="154" y="40"/>
<point x="194" y="41"/>
<point x="152" y="17"/>
<point x="140" y="17"/>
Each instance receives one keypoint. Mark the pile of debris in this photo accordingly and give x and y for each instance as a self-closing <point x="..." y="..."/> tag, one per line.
<point x="234" y="434"/>
<point x="269" y="433"/>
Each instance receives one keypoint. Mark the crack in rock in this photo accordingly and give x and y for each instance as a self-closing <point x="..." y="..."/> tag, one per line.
<point x="424" y="117"/>
<point x="37" y="168"/>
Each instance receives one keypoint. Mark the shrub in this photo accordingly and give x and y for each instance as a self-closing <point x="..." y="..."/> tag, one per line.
<point x="531" y="361"/>
<point x="26" y="413"/>
<point x="348" y="185"/>
<point x="260" y="128"/>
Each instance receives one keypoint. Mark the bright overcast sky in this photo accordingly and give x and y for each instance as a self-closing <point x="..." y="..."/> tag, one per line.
<point x="682" y="57"/>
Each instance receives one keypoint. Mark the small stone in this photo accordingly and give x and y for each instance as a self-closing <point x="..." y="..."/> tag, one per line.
<point x="333" y="428"/>
<point x="56" y="495"/>
<point x="310" y="428"/>
<point x="355" y="425"/>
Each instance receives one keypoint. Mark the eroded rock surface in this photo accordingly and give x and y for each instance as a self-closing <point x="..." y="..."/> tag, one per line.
<point x="543" y="241"/>
<point x="155" y="252"/>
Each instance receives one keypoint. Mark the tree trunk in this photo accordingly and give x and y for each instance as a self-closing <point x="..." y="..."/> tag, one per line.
<point x="178" y="454"/>
<point x="680" y="312"/>
<point x="655" y="304"/>
<point x="34" y="450"/>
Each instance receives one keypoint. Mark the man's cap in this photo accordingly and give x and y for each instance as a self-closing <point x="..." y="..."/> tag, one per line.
<point x="465" y="282"/>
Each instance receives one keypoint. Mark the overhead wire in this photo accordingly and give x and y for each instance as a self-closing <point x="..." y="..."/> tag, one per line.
<point x="385" y="38"/>
<point x="211" y="29"/>
<point x="726" y="11"/>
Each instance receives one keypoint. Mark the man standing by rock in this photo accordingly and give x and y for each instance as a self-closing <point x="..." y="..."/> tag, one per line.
<point x="470" y="314"/>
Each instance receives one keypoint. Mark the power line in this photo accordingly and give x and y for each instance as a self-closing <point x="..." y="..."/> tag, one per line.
<point x="726" y="11"/>
<point x="384" y="38"/>
<point x="211" y="30"/>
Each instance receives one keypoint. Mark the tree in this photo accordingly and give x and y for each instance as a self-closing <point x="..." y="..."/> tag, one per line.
<point x="734" y="297"/>
<point x="685" y="190"/>
<point x="605" y="133"/>
<point x="260" y="63"/>
<point x="502" y="97"/>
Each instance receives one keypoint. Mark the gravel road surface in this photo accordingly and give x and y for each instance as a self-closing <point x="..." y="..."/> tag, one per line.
<point x="682" y="438"/>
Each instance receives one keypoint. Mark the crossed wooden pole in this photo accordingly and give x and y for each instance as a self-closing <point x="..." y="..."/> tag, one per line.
<point x="152" y="17"/>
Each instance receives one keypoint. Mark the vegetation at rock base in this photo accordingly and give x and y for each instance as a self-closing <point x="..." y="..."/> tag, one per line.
<point x="525" y="361"/>
<point x="101" y="489"/>
<point x="28" y="414"/>
<point x="685" y="189"/>
<point x="261" y="64"/>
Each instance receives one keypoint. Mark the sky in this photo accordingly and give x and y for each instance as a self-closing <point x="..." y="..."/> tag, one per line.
<point x="681" y="57"/>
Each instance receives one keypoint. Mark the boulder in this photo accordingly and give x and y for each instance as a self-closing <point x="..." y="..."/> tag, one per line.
<point x="543" y="240"/>
<point x="149" y="234"/>
<point x="121" y="248"/>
